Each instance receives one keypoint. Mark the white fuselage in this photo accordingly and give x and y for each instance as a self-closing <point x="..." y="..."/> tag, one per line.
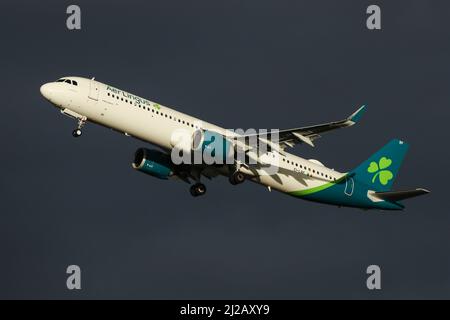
<point x="155" y="123"/>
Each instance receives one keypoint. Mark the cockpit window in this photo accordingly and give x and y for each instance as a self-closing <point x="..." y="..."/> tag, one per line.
<point x="68" y="81"/>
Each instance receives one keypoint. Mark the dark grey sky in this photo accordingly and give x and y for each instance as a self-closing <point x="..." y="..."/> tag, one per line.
<point x="239" y="64"/>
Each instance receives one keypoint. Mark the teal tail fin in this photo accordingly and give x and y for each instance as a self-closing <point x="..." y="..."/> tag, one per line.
<point x="379" y="171"/>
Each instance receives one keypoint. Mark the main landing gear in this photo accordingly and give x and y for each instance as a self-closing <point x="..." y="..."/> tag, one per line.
<point x="198" y="189"/>
<point x="77" y="132"/>
<point x="237" y="178"/>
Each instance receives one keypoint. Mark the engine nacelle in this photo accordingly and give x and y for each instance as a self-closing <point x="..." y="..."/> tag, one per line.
<point x="213" y="145"/>
<point x="154" y="163"/>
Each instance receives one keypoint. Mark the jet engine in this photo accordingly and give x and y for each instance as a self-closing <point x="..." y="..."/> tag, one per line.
<point x="154" y="163"/>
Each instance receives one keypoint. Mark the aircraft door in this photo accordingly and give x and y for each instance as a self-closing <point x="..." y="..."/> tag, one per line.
<point x="349" y="186"/>
<point x="93" y="90"/>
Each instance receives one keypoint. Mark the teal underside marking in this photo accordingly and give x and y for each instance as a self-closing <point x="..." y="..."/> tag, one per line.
<point x="335" y="193"/>
<point x="301" y="193"/>
<point x="305" y="192"/>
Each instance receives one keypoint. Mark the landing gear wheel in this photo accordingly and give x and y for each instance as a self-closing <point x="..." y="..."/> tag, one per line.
<point x="237" y="178"/>
<point x="77" y="132"/>
<point x="198" y="189"/>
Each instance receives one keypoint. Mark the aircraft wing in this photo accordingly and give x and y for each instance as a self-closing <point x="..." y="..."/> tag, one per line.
<point x="291" y="137"/>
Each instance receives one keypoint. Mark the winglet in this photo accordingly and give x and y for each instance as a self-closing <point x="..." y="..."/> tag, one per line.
<point x="357" y="114"/>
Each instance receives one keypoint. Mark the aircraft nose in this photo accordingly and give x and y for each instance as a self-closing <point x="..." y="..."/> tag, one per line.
<point x="46" y="90"/>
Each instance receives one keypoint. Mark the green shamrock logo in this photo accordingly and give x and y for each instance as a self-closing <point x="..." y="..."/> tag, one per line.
<point x="380" y="170"/>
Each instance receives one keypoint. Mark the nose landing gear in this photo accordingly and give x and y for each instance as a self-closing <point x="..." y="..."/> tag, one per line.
<point x="77" y="132"/>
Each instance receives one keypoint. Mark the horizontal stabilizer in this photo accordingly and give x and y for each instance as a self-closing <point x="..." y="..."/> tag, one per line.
<point x="394" y="196"/>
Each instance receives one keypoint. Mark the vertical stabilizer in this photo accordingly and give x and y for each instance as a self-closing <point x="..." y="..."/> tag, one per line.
<point x="380" y="170"/>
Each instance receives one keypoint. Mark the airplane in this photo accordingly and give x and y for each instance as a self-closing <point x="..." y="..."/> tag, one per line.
<point x="368" y="186"/>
